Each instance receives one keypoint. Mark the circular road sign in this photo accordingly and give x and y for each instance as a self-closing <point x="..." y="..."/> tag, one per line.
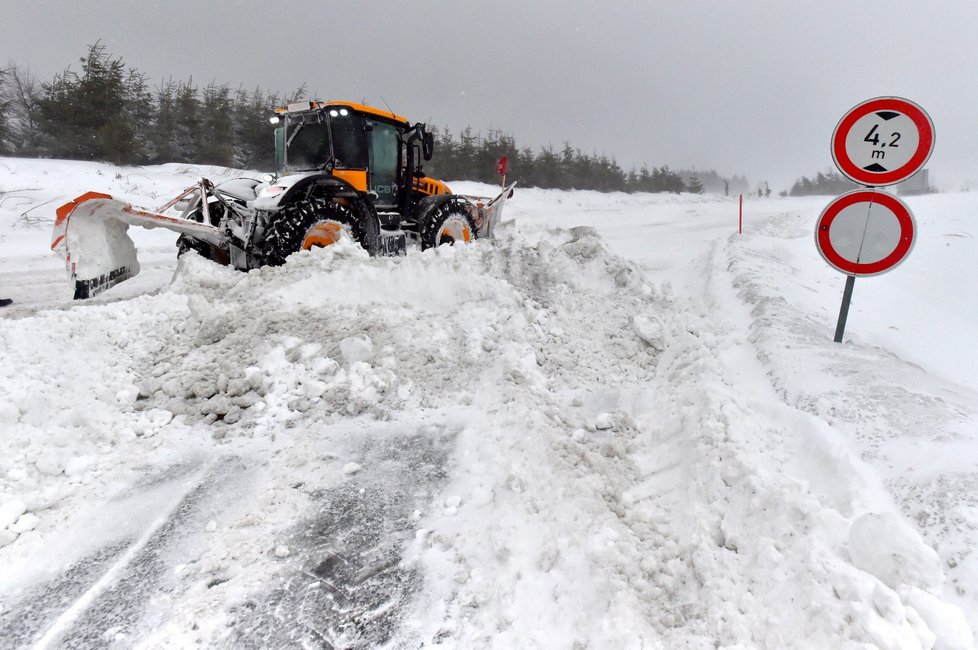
<point x="883" y="141"/>
<point x="865" y="232"/>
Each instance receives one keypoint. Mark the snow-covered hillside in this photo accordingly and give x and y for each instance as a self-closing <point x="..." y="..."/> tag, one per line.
<point x="621" y="425"/>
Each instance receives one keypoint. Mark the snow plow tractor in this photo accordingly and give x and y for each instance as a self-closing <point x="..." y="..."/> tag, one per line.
<point x="342" y="170"/>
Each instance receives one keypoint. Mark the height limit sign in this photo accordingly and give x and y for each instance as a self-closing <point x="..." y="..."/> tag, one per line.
<point x="881" y="141"/>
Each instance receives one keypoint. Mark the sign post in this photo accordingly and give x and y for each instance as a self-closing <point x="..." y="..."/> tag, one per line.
<point x="867" y="232"/>
<point x="840" y="327"/>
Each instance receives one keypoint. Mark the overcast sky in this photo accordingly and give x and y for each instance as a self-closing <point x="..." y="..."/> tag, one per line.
<point x="744" y="87"/>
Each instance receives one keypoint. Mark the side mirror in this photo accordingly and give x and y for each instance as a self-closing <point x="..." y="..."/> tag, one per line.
<point x="427" y="145"/>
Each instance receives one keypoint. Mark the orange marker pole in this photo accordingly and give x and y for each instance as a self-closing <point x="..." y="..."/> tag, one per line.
<point x="740" y="220"/>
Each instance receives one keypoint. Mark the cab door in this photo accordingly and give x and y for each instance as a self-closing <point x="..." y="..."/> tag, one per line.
<point x="384" y="149"/>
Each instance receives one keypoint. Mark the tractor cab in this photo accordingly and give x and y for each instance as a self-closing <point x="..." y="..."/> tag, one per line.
<point x="376" y="152"/>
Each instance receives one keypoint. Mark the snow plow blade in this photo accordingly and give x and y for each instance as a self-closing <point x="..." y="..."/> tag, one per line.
<point x="91" y="233"/>
<point x="491" y="213"/>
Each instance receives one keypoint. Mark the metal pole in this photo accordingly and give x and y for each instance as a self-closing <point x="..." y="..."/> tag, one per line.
<point x="740" y="220"/>
<point x="844" y="309"/>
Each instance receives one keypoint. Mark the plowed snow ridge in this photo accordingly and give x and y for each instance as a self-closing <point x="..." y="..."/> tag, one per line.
<point x="617" y="426"/>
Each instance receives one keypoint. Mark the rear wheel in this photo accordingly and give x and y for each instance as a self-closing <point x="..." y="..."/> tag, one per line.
<point x="449" y="223"/>
<point x="315" y="223"/>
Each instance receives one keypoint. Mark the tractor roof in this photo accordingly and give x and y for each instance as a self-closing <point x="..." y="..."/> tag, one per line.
<point x="360" y="108"/>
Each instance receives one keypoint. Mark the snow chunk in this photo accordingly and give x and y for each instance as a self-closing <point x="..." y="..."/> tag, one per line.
<point x="946" y="621"/>
<point x="281" y="551"/>
<point x="884" y="545"/>
<point x="352" y="468"/>
<point x="79" y="465"/>
<point x="50" y="463"/>
<point x="451" y="505"/>
<point x="9" y="414"/>
<point x="355" y="349"/>
<point x="11" y="512"/>
<point x="604" y="421"/>
<point x="28" y="521"/>
<point x="216" y="405"/>
<point x="650" y="330"/>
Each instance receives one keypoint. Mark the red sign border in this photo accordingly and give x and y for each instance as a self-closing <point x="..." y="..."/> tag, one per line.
<point x="832" y="210"/>
<point x="925" y="146"/>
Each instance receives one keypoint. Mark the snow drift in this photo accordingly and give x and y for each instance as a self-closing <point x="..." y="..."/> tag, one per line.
<point x="621" y="425"/>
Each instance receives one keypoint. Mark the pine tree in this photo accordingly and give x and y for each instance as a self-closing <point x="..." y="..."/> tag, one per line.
<point x="253" y="134"/>
<point x="216" y="143"/>
<point x="83" y="116"/>
<point x="162" y="135"/>
<point x="138" y="111"/>
<point x="186" y="128"/>
<point x="5" y="103"/>
<point x="829" y="182"/>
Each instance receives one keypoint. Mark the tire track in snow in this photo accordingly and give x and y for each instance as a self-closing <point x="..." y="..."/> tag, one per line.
<point x="111" y="589"/>
<point x="346" y="585"/>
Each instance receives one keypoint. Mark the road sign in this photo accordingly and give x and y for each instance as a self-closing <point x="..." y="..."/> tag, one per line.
<point x="865" y="232"/>
<point x="883" y="141"/>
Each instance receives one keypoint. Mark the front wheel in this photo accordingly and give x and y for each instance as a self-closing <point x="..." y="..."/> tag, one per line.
<point x="449" y="223"/>
<point x="315" y="223"/>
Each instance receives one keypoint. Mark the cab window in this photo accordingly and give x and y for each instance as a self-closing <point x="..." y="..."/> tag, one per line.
<point x="308" y="146"/>
<point x="349" y="141"/>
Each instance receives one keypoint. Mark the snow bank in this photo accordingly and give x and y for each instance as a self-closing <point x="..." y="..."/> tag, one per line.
<point x="619" y="426"/>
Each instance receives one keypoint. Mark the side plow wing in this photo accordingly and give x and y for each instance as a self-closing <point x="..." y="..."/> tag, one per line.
<point x="490" y="214"/>
<point x="91" y="233"/>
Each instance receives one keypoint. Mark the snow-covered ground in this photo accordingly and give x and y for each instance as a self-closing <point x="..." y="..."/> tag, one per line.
<point x="621" y="425"/>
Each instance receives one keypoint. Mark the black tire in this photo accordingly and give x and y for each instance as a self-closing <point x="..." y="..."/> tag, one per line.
<point x="290" y="230"/>
<point x="448" y="223"/>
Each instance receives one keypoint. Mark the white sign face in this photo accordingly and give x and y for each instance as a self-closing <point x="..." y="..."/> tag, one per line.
<point x="883" y="141"/>
<point x="865" y="232"/>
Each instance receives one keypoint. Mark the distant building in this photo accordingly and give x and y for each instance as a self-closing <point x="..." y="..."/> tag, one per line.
<point x="919" y="183"/>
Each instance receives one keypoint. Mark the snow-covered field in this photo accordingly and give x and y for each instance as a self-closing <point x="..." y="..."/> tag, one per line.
<point x="621" y="425"/>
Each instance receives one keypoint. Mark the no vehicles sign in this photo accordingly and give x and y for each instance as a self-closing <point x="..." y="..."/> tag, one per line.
<point x="883" y="141"/>
<point x="865" y="232"/>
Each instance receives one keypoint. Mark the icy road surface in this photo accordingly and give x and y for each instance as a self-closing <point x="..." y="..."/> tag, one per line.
<point x="621" y="425"/>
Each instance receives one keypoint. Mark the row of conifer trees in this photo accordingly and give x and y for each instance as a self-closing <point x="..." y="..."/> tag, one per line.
<point x="108" y="111"/>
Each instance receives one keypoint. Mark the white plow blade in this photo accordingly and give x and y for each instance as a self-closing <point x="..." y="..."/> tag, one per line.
<point x="492" y="211"/>
<point x="91" y="233"/>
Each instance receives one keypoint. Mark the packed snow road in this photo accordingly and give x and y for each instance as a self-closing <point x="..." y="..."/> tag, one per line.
<point x="620" y="425"/>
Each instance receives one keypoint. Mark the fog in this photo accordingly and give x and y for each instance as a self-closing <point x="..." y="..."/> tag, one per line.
<point x="751" y="88"/>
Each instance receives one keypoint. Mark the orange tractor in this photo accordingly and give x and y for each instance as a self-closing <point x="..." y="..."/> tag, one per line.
<point x="343" y="170"/>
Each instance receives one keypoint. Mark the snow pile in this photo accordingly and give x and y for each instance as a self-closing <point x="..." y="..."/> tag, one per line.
<point x="618" y="426"/>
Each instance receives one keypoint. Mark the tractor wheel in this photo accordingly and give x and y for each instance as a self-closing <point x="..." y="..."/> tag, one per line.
<point x="315" y="223"/>
<point x="449" y="223"/>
